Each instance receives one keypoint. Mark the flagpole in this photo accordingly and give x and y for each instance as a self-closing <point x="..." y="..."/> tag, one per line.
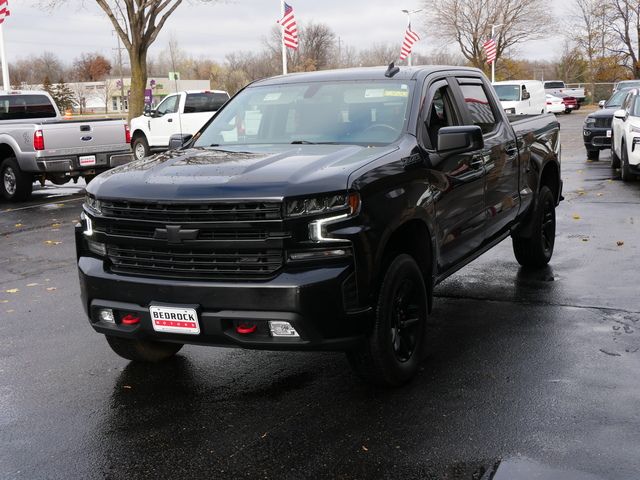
<point x="409" y="59"/>
<point x="5" y="67"/>
<point x="493" y="64"/>
<point x="284" y="47"/>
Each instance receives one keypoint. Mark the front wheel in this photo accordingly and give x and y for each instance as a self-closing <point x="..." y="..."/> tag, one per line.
<point x="15" y="185"/>
<point x="625" y="170"/>
<point x="615" y="160"/>
<point x="593" y="155"/>
<point x="140" y="147"/>
<point x="143" y="350"/>
<point x="535" y="251"/>
<point x="391" y="354"/>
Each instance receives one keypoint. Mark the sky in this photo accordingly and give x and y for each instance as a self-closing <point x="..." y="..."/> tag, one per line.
<point x="218" y="28"/>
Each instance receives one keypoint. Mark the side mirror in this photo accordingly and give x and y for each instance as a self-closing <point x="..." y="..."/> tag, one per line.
<point x="526" y="95"/>
<point x="460" y="139"/>
<point x="601" y="103"/>
<point x="179" y="140"/>
<point x="147" y="110"/>
<point x="622" y="114"/>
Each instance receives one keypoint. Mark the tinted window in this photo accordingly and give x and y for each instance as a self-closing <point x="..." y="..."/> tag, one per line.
<point x="168" y="105"/>
<point x="479" y="107"/>
<point x="204" y="102"/>
<point x="17" y="107"/>
<point x="440" y="114"/>
<point x="554" y="85"/>
<point x="349" y="112"/>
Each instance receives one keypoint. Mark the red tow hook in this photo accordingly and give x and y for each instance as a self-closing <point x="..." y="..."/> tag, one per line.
<point x="130" y="319"/>
<point x="246" y="328"/>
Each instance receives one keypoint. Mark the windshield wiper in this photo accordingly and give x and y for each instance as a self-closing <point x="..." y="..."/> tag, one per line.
<point x="303" y="142"/>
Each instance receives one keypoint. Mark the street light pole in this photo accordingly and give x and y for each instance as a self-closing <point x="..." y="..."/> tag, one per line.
<point x="409" y="12"/>
<point x="493" y="64"/>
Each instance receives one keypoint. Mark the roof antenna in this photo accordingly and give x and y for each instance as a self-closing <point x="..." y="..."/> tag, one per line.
<point x="391" y="71"/>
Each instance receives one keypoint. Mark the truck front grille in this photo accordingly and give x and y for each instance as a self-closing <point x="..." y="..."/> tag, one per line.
<point x="201" y="264"/>
<point x="211" y="241"/>
<point x="603" y="122"/>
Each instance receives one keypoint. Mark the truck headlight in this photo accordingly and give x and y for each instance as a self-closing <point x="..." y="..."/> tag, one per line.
<point x="93" y="204"/>
<point x="347" y="202"/>
<point x="589" y="122"/>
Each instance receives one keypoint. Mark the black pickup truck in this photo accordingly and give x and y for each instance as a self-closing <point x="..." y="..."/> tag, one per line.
<point x="317" y="211"/>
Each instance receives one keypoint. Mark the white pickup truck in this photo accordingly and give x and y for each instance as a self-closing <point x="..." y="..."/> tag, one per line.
<point x="559" y="89"/>
<point x="179" y="113"/>
<point x="37" y="144"/>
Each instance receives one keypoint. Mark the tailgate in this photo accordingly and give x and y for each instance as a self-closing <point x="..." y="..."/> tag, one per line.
<point x="84" y="137"/>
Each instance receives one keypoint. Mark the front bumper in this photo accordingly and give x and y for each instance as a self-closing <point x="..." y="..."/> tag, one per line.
<point x="596" y="138"/>
<point x="313" y="301"/>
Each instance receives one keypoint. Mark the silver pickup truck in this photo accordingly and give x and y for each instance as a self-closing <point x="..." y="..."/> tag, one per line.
<point x="37" y="144"/>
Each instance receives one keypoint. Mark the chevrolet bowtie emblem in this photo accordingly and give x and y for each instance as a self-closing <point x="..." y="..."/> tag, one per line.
<point x="176" y="234"/>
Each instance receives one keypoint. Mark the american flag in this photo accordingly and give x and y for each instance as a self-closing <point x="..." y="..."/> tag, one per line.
<point x="288" y="22"/>
<point x="4" y="10"/>
<point x="490" y="50"/>
<point x="410" y="37"/>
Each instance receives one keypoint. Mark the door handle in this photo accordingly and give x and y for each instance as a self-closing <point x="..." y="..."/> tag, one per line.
<point x="169" y="119"/>
<point x="476" y="162"/>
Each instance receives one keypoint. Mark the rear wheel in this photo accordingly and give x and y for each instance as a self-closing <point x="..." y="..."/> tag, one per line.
<point x="535" y="251"/>
<point x="15" y="184"/>
<point x="391" y="354"/>
<point x="593" y="155"/>
<point x="143" y="350"/>
<point x="140" y="147"/>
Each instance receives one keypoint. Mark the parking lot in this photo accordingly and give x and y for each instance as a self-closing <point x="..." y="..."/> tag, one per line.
<point x="530" y="375"/>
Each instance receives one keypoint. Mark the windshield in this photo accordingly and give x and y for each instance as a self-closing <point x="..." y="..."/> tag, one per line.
<point x="508" y="93"/>
<point x="348" y="112"/>
<point x="616" y="99"/>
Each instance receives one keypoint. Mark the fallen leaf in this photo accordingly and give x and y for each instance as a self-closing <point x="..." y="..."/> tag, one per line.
<point x="365" y="448"/>
<point x="576" y="216"/>
<point x="619" y="243"/>
<point x="18" y="225"/>
<point x="599" y="194"/>
<point x="128" y="387"/>
<point x="32" y="284"/>
<point x="51" y="289"/>
<point x="13" y="290"/>
<point x="585" y="239"/>
<point x="55" y="225"/>
<point x="264" y="434"/>
<point x="52" y="242"/>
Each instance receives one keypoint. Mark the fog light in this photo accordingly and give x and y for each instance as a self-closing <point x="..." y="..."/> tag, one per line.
<point x="282" y="329"/>
<point x="106" y="315"/>
<point x="97" y="247"/>
<point x="317" y="254"/>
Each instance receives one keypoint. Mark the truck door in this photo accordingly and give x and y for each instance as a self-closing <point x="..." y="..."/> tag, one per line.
<point x="165" y="121"/>
<point x="457" y="179"/>
<point x="499" y="156"/>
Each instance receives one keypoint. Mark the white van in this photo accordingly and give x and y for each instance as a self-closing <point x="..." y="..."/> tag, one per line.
<point x="521" y="97"/>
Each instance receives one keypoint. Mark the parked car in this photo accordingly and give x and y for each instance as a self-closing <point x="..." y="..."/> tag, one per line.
<point x="626" y="84"/>
<point x="184" y="113"/>
<point x="570" y="103"/>
<point x="323" y="226"/>
<point x="521" y="97"/>
<point x="596" y="131"/>
<point x="558" y="88"/>
<point x="625" y="150"/>
<point x="37" y="144"/>
<point x="554" y="104"/>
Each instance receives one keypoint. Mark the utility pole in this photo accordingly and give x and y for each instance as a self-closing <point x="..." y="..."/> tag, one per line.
<point x="409" y="13"/>
<point x="119" y="56"/>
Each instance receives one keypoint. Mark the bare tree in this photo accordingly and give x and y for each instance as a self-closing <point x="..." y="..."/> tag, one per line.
<point x="468" y="23"/>
<point x="138" y="23"/>
<point x="378" y="54"/>
<point x="626" y="26"/>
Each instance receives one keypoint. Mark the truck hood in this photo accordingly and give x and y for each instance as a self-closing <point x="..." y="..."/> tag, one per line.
<point x="265" y="171"/>
<point x="604" y="113"/>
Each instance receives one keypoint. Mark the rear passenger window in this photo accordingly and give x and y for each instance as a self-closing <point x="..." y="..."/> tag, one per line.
<point x="479" y="107"/>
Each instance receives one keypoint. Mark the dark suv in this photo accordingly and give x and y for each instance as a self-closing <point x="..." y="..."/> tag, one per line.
<point x="596" y="131"/>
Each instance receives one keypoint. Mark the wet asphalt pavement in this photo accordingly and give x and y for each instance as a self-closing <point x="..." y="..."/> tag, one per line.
<point x="530" y="375"/>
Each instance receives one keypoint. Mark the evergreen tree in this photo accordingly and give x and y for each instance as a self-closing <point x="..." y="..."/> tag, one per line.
<point x="64" y="96"/>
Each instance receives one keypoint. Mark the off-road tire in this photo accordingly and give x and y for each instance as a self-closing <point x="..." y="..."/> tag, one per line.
<point x="535" y="251"/>
<point x="142" y="350"/>
<point x="15" y="185"/>
<point x="593" y="155"/>
<point x="140" y="147"/>
<point x="615" y="160"/>
<point x="392" y="352"/>
<point x="625" y="171"/>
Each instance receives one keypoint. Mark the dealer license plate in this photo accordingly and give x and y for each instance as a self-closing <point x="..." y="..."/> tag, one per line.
<point x="174" y="320"/>
<point x="87" y="160"/>
<point x="608" y="133"/>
